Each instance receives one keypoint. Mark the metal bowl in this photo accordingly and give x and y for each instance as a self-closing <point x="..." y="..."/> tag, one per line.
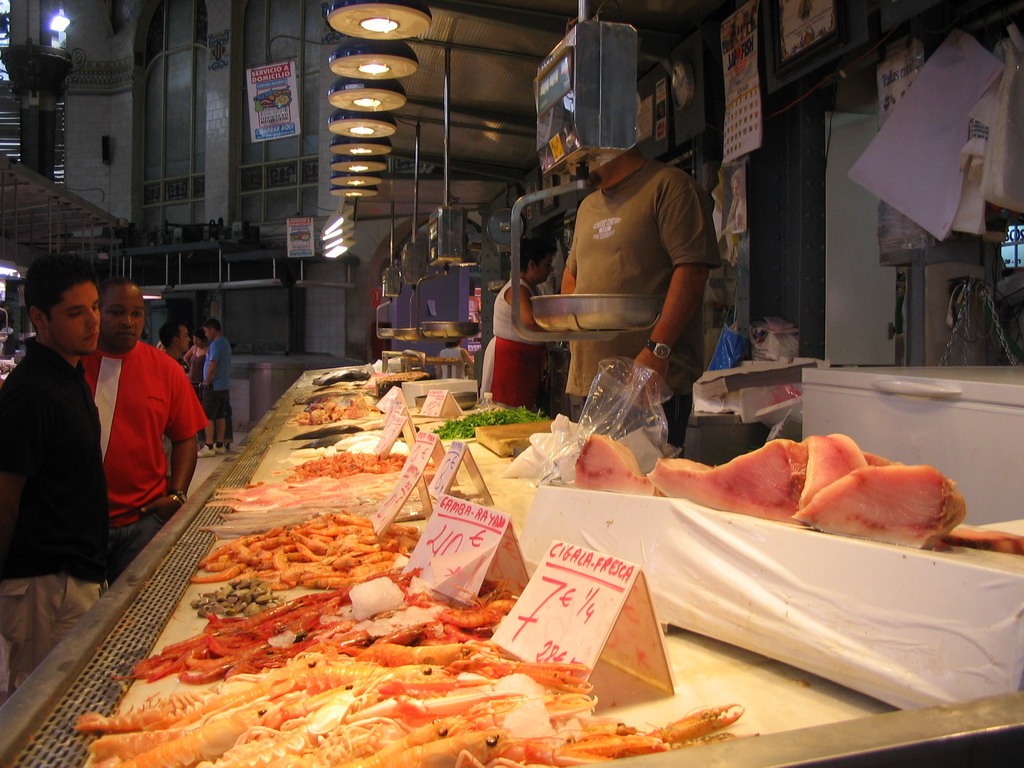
<point x="407" y="334"/>
<point x="438" y="329"/>
<point x="385" y="333"/>
<point x="596" y="312"/>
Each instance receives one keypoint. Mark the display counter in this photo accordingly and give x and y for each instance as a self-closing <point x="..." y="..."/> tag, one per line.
<point x="792" y="717"/>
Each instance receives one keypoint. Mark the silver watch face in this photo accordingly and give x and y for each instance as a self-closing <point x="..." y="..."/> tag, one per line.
<point x="662" y="350"/>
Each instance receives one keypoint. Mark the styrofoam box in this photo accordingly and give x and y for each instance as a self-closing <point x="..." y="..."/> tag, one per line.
<point x="415" y="389"/>
<point x="907" y="626"/>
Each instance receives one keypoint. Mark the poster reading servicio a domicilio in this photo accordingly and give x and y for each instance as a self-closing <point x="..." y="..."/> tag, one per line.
<point x="273" y="101"/>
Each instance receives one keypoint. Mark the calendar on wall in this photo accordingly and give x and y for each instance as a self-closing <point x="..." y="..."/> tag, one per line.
<point x="743" y="118"/>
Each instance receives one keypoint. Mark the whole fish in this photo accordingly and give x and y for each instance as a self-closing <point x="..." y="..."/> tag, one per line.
<point x="323" y="442"/>
<point x="330" y="430"/>
<point x="342" y="374"/>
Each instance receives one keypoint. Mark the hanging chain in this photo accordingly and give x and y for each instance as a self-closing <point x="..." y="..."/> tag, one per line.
<point x="960" y="319"/>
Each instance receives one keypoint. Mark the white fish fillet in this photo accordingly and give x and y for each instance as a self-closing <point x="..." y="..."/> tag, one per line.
<point x="915" y="505"/>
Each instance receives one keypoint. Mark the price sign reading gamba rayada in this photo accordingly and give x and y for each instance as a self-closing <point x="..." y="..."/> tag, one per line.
<point x="579" y="604"/>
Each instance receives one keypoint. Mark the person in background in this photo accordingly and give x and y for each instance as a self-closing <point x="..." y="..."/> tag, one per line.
<point x="142" y="395"/>
<point x="53" y="496"/>
<point x="646" y="230"/>
<point x="195" y="358"/>
<point x="216" y="386"/>
<point x="518" y="363"/>
<point x="174" y="338"/>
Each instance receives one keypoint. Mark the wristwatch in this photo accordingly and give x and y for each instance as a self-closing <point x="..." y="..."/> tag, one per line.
<point x="178" y="496"/>
<point x="661" y="351"/>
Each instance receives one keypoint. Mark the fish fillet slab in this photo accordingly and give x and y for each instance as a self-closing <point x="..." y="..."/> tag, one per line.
<point x="914" y="505"/>
<point x="829" y="457"/>
<point x="765" y="483"/>
<point x="605" y="465"/>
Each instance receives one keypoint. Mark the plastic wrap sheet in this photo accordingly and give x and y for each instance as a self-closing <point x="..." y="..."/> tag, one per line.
<point x="909" y="627"/>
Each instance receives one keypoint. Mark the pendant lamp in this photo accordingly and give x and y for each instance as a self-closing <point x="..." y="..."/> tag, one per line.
<point x="339" y="179"/>
<point x="373" y="59"/>
<point x="366" y="95"/>
<point x="348" y="165"/>
<point x="361" y="148"/>
<point x="353" y="192"/>
<point x="361" y="125"/>
<point x="376" y="20"/>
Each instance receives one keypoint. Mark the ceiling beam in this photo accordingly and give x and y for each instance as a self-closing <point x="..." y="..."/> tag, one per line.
<point x="507" y="122"/>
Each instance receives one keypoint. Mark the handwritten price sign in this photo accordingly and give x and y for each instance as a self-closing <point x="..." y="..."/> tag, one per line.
<point x="569" y="607"/>
<point x="394" y="423"/>
<point x="460" y="544"/>
<point x="412" y="473"/>
<point x="394" y="395"/>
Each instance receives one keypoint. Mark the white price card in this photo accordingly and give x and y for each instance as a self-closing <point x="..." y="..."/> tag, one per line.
<point x="458" y="455"/>
<point x="392" y="396"/>
<point x="395" y="422"/>
<point x="462" y="544"/>
<point x="580" y="603"/>
<point x="440" y="404"/>
<point x="420" y="452"/>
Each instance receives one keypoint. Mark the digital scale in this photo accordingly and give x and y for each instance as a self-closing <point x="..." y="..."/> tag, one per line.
<point x="585" y="93"/>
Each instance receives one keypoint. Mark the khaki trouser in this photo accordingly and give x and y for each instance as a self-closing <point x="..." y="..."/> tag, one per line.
<point x="35" y="615"/>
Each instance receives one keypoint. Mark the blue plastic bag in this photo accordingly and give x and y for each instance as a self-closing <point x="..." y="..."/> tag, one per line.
<point x="731" y="348"/>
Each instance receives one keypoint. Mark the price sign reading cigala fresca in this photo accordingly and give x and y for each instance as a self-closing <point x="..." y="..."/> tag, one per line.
<point x="569" y="607"/>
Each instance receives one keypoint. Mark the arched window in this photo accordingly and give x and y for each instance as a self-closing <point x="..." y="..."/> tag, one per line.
<point x="174" y="145"/>
<point x="278" y="178"/>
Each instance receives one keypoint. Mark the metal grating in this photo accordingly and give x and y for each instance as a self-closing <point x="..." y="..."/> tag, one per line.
<point x="56" y="743"/>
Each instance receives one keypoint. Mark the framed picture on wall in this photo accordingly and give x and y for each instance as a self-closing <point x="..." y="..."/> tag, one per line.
<point x="804" y="29"/>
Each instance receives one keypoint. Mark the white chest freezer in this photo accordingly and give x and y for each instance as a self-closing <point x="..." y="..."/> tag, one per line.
<point x="966" y="422"/>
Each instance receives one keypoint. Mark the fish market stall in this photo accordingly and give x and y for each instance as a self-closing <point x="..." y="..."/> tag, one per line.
<point x="791" y="716"/>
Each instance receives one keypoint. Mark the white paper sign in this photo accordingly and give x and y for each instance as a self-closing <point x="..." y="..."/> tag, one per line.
<point x="444" y="478"/>
<point x="412" y="473"/>
<point x="392" y="396"/>
<point x="440" y="404"/>
<point x="396" y="420"/>
<point x="580" y="602"/>
<point x="461" y="545"/>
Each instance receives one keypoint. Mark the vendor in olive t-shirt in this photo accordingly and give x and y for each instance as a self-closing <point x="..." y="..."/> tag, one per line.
<point x="53" y="497"/>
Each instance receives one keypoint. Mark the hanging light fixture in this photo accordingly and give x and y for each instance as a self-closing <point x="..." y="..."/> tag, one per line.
<point x="366" y="95"/>
<point x="361" y="148"/>
<point x="373" y="59"/>
<point x="376" y="20"/>
<point x="360" y="125"/>
<point x="353" y="192"/>
<point x="339" y="179"/>
<point x="348" y="165"/>
<point x="337" y="249"/>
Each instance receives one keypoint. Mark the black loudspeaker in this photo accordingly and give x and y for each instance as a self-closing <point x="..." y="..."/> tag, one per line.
<point x="105" y="149"/>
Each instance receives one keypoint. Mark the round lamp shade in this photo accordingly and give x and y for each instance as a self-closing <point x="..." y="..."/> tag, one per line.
<point x="366" y="95"/>
<point x="346" y="164"/>
<point x="361" y="125"/>
<point x="351" y="180"/>
<point x="353" y="191"/>
<point x="392" y="20"/>
<point x="373" y="59"/>
<point x="351" y="147"/>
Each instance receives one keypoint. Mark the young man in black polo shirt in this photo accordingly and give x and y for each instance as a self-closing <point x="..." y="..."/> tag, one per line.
<point x="53" y="497"/>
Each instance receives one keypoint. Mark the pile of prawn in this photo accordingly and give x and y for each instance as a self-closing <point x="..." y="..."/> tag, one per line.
<point x="461" y="704"/>
<point x="344" y="464"/>
<point x="233" y="646"/>
<point x="330" y="551"/>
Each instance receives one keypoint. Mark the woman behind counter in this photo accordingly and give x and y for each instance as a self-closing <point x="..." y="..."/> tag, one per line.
<point x="518" y="363"/>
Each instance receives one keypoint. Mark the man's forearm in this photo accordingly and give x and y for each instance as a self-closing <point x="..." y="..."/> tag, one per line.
<point x="682" y="301"/>
<point x="211" y="371"/>
<point x="183" y="464"/>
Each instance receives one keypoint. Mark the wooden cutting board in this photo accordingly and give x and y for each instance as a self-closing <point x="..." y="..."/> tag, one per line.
<point x="510" y="439"/>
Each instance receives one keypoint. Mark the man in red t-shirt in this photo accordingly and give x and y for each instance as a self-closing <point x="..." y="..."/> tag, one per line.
<point x="142" y="395"/>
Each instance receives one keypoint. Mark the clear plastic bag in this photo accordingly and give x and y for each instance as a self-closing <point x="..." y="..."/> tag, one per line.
<point x="625" y="403"/>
